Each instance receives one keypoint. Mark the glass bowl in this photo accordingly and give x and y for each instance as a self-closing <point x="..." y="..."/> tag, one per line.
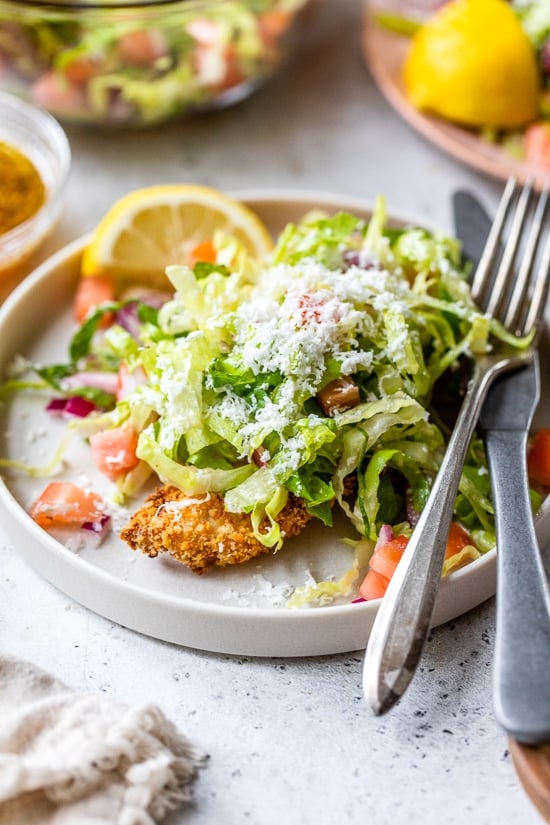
<point x="136" y="63"/>
<point x="39" y="138"/>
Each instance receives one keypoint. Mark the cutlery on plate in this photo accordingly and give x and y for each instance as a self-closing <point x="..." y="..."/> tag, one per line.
<point x="404" y="616"/>
<point x="532" y="763"/>
<point x="522" y="650"/>
<point x="521" y="680"/>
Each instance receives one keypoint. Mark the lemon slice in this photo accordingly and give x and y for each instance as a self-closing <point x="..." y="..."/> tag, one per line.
<point x="152" y="228"/>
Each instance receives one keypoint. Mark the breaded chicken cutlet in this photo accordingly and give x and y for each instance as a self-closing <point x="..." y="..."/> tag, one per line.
<point x="199" y="532"/>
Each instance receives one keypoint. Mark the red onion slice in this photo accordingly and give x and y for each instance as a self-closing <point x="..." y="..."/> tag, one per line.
<point x="97" y="530"/>
<point x="73" y="407"/>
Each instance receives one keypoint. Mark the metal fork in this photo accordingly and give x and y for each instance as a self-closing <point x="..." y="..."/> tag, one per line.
<point x="405" y="613"/>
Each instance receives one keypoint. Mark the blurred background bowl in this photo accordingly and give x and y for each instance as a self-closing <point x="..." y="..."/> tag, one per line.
<point x="133" y="63"/>
<point x="40" y="139"/>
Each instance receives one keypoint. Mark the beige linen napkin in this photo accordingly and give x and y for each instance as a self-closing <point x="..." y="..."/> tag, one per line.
<point x="79" y="759"/>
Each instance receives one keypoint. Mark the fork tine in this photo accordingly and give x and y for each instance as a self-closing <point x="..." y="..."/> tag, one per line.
<point x="519" y="298"/>
<point x="542" y="285"/>
<point x="484" y="268"/>
<point x="510" y="251"/>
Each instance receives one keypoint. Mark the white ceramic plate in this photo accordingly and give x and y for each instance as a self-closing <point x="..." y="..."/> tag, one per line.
<point x="240" y="610"/>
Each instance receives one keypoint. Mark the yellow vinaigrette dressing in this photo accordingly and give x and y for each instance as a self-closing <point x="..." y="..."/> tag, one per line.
<point x="22" y="190"/>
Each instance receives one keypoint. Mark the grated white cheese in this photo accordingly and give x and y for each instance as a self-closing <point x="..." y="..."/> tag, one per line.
<point x="297" y="319"/>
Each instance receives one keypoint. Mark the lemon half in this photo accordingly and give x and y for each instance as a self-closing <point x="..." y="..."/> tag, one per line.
<point x="472" y="63"/>
<point x="155" y="227"/>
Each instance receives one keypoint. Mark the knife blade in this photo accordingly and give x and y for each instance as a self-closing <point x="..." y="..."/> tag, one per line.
<point x="521" y="671"/>
<point x="510" y="405"/>
<point x="472" y="225"/>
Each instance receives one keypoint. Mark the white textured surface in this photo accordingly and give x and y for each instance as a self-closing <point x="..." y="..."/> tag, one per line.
<point x="291" y="742"/>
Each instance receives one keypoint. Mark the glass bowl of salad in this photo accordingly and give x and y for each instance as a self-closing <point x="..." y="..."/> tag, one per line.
<point x="137" y="63"/>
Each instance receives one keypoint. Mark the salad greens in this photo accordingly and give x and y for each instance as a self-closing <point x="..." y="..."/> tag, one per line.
<point x="535" y="18"/>
<point x="332" y="372"/>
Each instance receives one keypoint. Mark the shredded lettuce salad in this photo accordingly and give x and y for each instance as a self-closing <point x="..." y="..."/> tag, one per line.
<point x="141" y="64"/>
<point x="229" y="373"/>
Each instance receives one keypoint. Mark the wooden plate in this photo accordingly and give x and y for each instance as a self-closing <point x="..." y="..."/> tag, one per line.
<point x="385" y="53"/>
<point x="532" y="765"/>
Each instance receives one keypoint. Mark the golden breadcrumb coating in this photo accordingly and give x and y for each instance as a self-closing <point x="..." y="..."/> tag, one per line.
<point x="199" y="532"/>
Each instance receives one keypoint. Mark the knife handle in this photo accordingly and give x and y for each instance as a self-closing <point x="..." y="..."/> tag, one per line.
<point x="521" y="688"/>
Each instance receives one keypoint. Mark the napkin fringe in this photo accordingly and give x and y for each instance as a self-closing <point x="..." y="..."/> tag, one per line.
<point x="70" y="747"/>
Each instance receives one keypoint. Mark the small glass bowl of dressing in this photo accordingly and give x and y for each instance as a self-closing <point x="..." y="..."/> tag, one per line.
<point x="35" y="160"/>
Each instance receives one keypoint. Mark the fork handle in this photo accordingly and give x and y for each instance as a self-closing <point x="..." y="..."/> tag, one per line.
<point x="405" y="613"/>
<point x="521" y="684"/>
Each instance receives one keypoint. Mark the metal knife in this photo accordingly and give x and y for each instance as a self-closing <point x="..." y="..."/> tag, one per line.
<point x="521" y="670"/>
<point x="521" y="675"/>
<point x="472" y="225"/>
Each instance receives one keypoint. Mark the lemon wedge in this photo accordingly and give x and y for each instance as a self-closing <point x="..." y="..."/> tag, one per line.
<point x="152" y="228"/>
<point x="473" y="64"/>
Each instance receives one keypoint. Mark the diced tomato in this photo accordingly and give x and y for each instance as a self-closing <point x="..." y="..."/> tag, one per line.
<point x="374" y="585"/>
<point x="217" y="65"/>
<point x="387" y="557"/>
<point x="204" y="252"/>
<point x="65" y="503"/>
<point x="536" y="143"/>
<point x="234" y="74"/>
<point x="218" y="69"/>
<point x="55" y="92"/>
<point x="142" y="47"/>
<point x="538" y="457"/>
<point x="388" y="554"/>
<point x="92" y="291"/>
<point x="457" y="541"/>
<point x="114" y="451"/>
<point x="81" y="70"/>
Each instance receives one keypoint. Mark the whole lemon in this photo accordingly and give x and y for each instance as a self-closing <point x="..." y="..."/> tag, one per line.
<point x="472" y="63"/>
